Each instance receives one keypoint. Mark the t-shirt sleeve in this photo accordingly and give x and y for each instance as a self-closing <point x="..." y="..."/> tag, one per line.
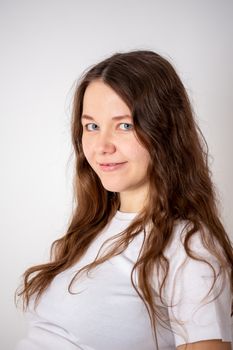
<point x="197" y="311"/>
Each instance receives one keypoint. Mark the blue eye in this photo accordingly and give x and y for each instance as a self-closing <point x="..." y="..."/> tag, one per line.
<point x="91" y="127"/>
<point x="126" y="126"/>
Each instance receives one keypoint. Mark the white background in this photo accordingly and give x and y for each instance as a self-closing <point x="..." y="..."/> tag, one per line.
<point x="44" y="47"/>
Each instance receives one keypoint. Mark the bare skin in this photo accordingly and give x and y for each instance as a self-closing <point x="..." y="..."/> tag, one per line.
<point x="206" y="345"/>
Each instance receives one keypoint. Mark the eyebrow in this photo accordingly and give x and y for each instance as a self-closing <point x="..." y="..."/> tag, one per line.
<point x="119" y="117"/>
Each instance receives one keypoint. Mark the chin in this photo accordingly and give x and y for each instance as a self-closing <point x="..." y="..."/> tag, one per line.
<point x="113" y="187"/>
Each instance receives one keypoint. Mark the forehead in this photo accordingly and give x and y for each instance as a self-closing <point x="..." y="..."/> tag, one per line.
<point x="100" y="97"/>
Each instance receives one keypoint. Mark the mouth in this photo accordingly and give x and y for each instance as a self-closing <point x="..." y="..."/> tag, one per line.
<point x="111" y="166"/>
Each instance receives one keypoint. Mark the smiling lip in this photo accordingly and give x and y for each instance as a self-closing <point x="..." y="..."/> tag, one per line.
<point x="111" y="166"/>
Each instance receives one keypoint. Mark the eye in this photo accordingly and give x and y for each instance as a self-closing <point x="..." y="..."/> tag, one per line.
<point x="126" y="126"/>
<point x="91" y="127"/>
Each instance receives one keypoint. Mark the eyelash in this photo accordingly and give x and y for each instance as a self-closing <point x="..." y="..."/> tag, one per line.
<point x="130" y="126"/>
<point x="90" y="124"/>
<point x="87" y="125"/>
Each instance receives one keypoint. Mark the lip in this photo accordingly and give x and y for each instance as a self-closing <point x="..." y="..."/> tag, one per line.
<point x="106" y="167"/>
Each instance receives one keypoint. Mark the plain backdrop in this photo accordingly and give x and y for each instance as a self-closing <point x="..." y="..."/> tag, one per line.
<point x="45" y="45"/>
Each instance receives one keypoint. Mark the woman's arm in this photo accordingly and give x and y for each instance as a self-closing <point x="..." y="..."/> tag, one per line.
<point x="206" y="345"/>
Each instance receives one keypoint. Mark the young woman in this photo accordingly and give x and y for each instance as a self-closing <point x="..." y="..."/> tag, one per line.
<point x="145" y="263"/>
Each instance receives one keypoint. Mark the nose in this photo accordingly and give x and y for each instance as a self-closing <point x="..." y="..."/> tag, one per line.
<point x="105" y="143"/>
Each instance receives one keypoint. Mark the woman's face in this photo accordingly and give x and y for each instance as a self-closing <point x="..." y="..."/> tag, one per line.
<point x="110" y="144"/>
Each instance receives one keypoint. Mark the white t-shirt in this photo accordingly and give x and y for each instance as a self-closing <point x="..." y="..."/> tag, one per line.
<point x="106" y="312"/>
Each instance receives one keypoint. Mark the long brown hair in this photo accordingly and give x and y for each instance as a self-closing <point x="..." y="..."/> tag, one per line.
<point x="179" y="179"/>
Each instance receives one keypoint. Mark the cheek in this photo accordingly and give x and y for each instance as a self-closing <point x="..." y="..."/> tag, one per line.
<point x="138" y="153"/>
<point x="86" y="147"/>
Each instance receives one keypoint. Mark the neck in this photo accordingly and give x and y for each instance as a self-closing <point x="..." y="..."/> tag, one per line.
<point x="134" y="201"/>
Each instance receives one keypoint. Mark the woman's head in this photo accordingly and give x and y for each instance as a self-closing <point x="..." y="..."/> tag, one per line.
<point x="151" y="93"/>
<point x="111" y="146"/>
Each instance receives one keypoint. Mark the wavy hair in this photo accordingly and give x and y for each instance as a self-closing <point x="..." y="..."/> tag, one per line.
<point x="179" y="180"/>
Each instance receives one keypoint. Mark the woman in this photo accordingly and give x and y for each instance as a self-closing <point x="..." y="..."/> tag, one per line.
<point x="146" y="262"/>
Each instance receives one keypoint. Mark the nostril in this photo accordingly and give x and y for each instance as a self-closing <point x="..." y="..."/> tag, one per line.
<point x="105" y="147"/>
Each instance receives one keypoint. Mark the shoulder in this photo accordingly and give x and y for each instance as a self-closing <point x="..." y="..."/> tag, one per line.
<point x="197" y="272"/>
<point x="197" y="292"/>
<point x="197" y="247"/>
